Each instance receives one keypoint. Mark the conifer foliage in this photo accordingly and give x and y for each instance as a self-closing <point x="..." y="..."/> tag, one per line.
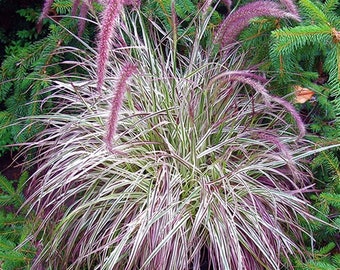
<point x="325" y="250"/>
<point x="29" y="62"/>
<point x="308" y="54"/>
<point x="296" y="51"/>
<point x="14" y="227"/>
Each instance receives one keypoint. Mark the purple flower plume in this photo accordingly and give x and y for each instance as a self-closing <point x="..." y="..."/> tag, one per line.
<point x="135" y="3"/>
<point x="257" y="86"/>
<point x="82" y="14"/>
<point x="117" y="102"/>
<point x="290" y="5"/>
<point x="231" y="27"/>
<point x="44" y="13"/>
<point x="75" y="7"/>
<point x="109" y="20"/>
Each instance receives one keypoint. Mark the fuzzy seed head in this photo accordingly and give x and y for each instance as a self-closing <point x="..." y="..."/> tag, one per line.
<point x="117" y="102"/>
<point x="109" y="23"/>
<point x="44" y="13"/>
<point x="232" y="26"/>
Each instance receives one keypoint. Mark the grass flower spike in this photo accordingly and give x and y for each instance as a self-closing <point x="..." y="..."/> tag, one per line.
<point x="110" y="16"/>
<point x="117" y="102"/>
<point x="75" y="6"/>
<point x="109" y="23"/>
<point x="82" y="14"/>
<point x="44" y="13"/>
<point x="291" y="6"/>
<point x="234" y="23"/>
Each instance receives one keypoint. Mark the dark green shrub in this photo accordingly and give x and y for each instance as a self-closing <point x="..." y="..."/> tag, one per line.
<point x="30" y="62"/>
<point x="308" y="55"/>
<point x="14" y="226"/>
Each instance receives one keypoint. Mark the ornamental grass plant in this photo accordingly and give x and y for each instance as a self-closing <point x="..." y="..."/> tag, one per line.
<point x="182" y="160"/>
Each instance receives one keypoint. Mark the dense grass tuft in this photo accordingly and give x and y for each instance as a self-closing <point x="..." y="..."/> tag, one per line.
<point x="203" y="166"/>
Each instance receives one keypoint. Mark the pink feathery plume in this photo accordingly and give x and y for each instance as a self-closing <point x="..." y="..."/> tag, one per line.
<point x="117" y="102"/>
<point x="44" y="13"/>
<point x="257" y="86"/>
<point x="287" y="155"/>
<point x="291" y="6"/>
<point x="109" y="21"/>
<point x="75" y="6"/>
<point x="275" y="140"/>
<point x="82" y="14"/>
<point x="232" y="26"/>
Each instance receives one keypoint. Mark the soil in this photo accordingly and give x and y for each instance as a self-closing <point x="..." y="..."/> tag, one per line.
<point x="10" y="166"/>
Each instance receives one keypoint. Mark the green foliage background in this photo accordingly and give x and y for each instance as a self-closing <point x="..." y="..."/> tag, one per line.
<point x="14" y="227"/>
<point x="307" y="54"/>
<point x="29" y="64"/>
